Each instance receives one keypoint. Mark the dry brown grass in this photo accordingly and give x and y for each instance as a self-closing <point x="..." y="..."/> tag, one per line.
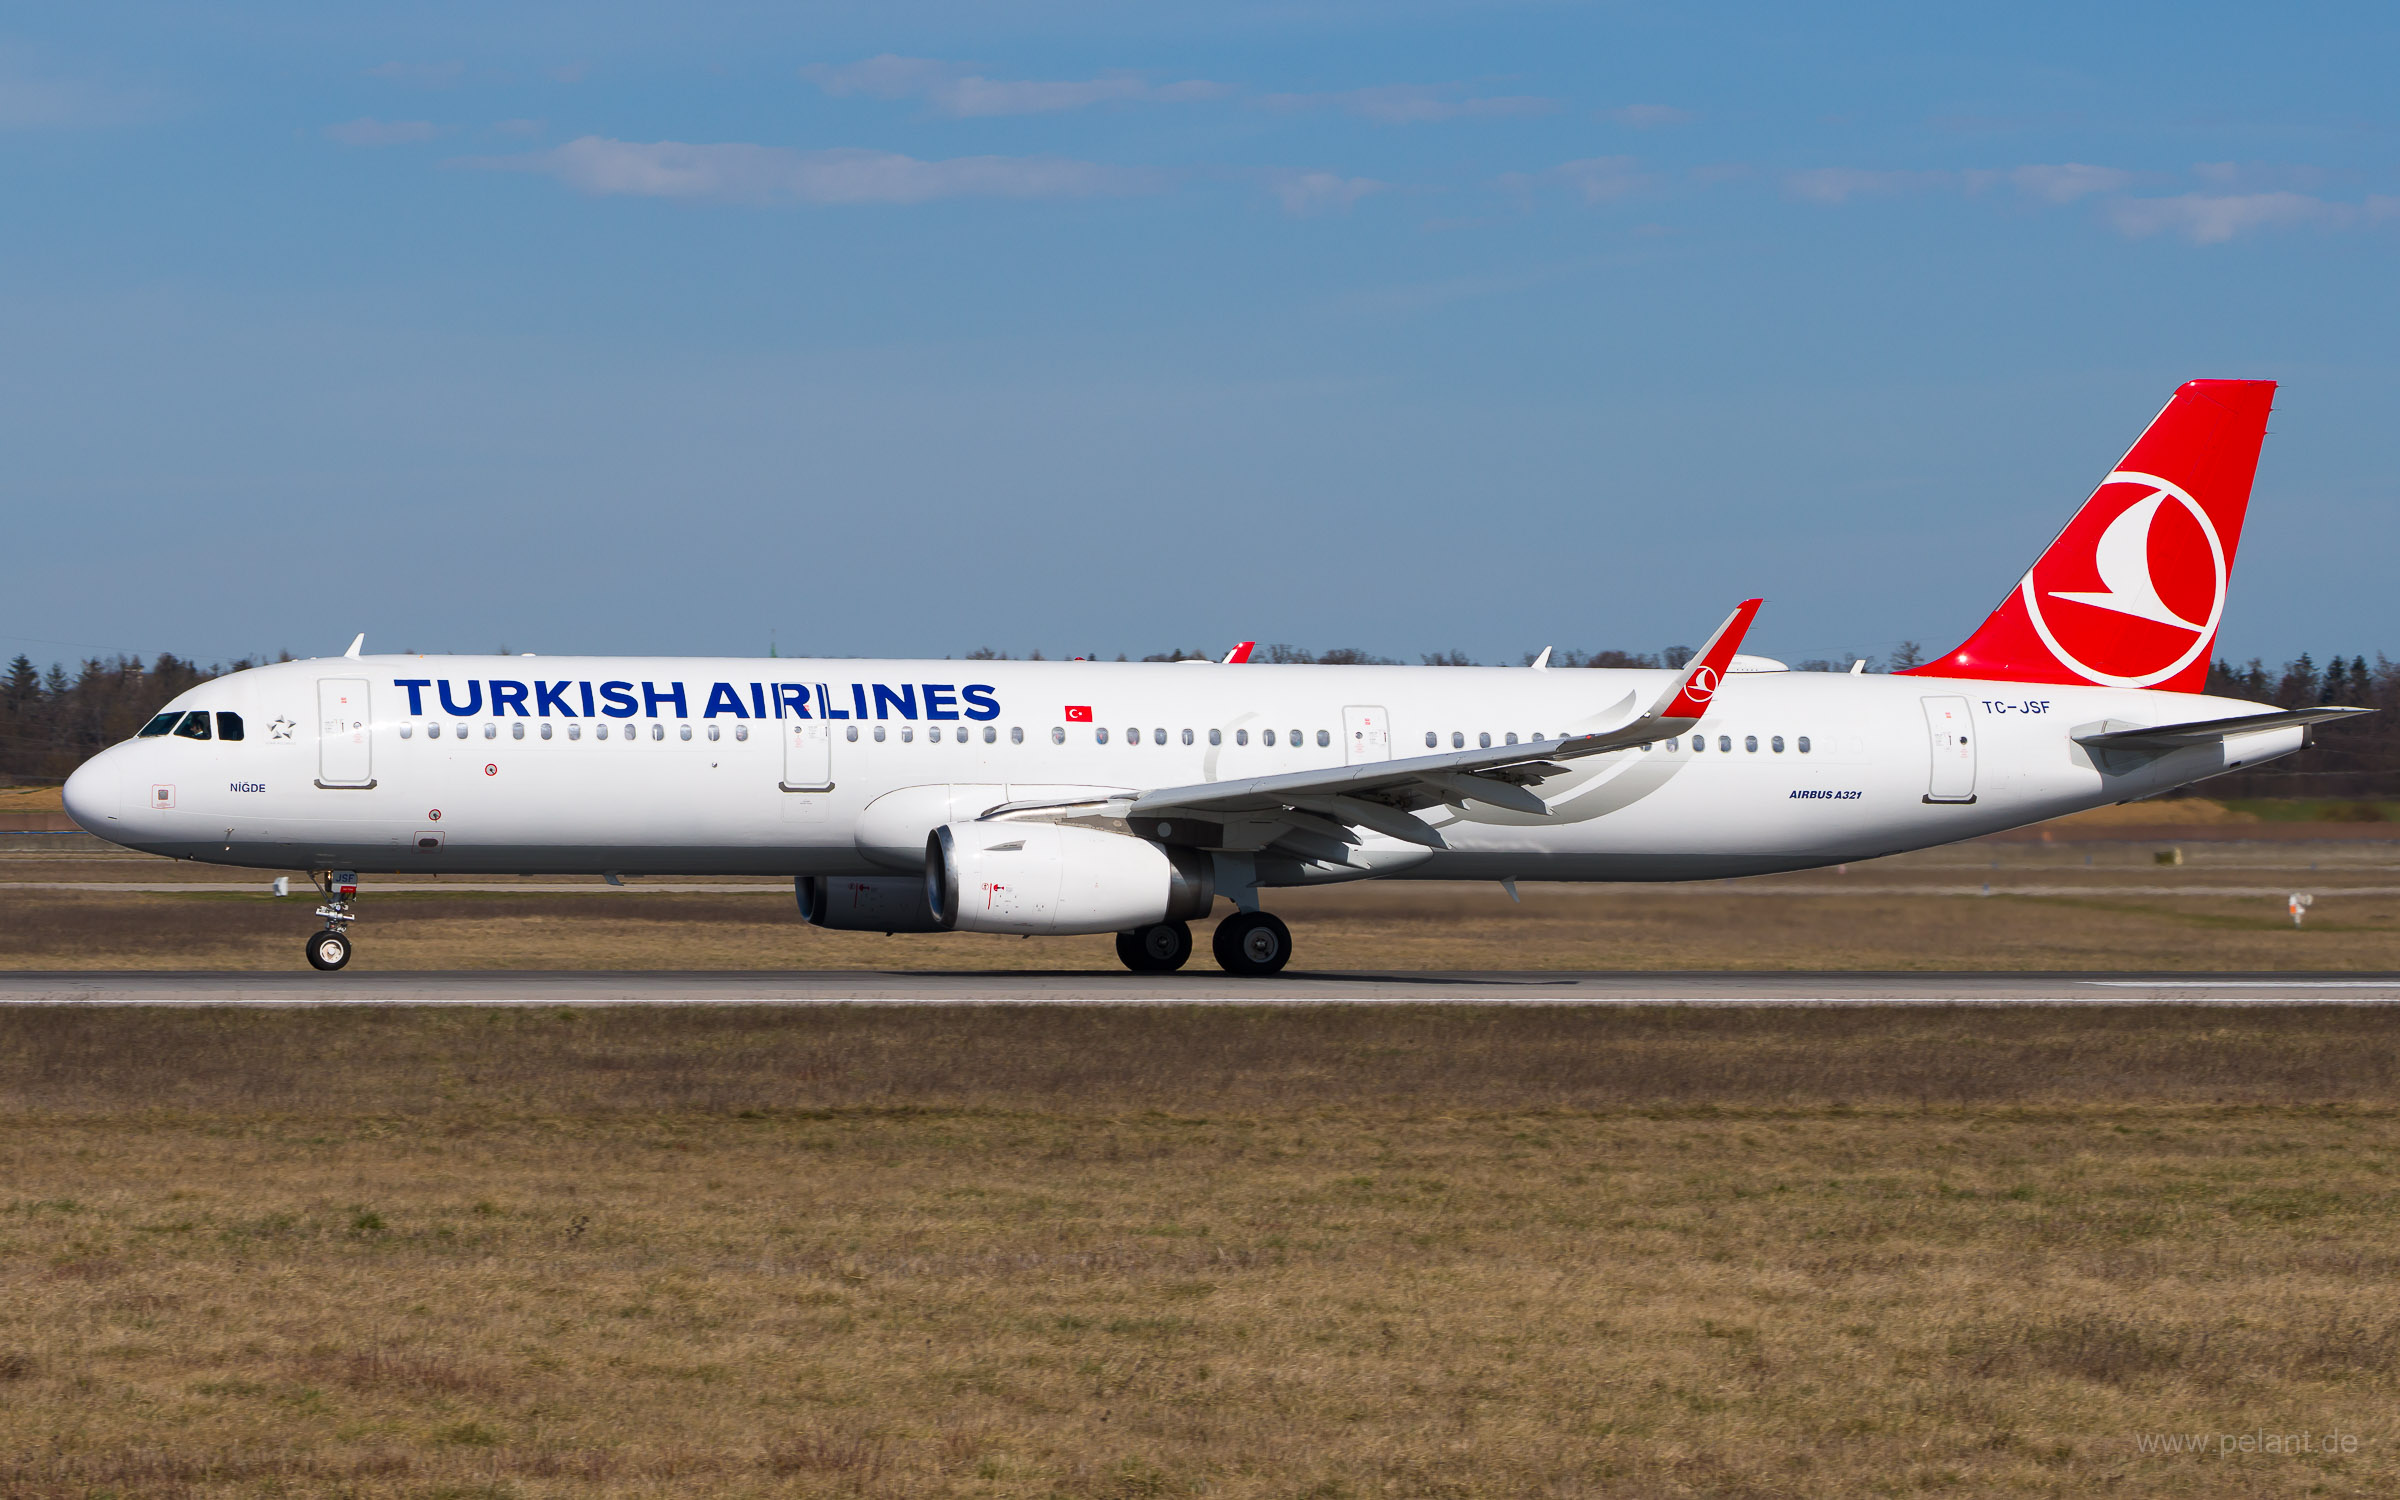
<point x="1397" y="926"/>
<point x="1165" y="1251"/>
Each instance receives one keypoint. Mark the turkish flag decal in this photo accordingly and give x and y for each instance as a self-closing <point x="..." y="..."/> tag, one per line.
<point x="1079" y="713"/>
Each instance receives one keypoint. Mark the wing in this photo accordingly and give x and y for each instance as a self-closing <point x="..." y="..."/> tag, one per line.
<point x="1314" y="811"/>
<point x="2208" y="731"/>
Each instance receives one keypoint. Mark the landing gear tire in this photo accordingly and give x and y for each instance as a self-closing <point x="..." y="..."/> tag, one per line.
<point x="1252" y="943"/>
<point x="1159" y="948"/>
<point x="328" y="951"/>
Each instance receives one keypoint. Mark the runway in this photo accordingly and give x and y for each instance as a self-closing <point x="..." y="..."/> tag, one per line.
<point x="1198" y="986"/>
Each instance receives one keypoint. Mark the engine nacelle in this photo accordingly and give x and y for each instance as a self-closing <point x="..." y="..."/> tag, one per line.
<point x="1050" y="878"/>
<point x="870" y="903"/>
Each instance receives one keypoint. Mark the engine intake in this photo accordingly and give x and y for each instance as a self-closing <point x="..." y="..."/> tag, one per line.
<point x="871" y="903"/>
<point x="1050" y="878"/>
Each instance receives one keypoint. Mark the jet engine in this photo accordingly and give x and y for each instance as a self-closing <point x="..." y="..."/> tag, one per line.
<point x="869" y="903"/>
<point x="1047" y="877"/>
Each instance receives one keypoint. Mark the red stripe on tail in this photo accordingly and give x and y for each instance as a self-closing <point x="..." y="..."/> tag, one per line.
<point x="2131" y="593"/>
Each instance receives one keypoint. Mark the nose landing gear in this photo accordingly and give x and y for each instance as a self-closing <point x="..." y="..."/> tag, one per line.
<point x="330" y="949"/>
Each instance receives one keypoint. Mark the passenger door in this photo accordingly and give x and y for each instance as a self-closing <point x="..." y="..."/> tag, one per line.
<point x="807" y="755"/>
<point x="345" y="751"/>
<point x="1366" y="735"/>
<point x="1950" y="735"/>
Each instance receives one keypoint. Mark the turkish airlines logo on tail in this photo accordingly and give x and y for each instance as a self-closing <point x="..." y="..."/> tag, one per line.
<point x="2131" y="593"/>
<point x="1702" y="686"/>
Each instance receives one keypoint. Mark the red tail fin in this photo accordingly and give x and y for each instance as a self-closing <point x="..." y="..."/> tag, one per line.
<point x="2129" y="595"/>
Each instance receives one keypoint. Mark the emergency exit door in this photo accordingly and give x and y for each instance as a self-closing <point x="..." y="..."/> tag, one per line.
<point x="345" y="752"/>
<point x="1950" y="735"/>
<point x="1366" y="735"/>
<point x="807" y="755"/>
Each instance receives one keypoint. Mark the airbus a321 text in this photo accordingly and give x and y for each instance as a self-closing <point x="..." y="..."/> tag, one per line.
<point x="1085" y="797"/>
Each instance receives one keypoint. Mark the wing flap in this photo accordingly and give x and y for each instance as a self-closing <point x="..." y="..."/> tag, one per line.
<point x="2209" y="731"/>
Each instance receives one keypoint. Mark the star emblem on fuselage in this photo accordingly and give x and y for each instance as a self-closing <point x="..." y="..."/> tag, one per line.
<point x="281" y="729"/>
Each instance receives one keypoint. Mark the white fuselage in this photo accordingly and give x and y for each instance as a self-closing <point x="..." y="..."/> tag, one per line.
<point x="660" y="765"/>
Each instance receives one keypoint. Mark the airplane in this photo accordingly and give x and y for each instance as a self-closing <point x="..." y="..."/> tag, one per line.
<point x="1087" y="797"/>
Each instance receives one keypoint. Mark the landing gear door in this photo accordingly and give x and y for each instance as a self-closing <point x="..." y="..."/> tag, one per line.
<point x="345" y="750"/>
<point x="1950" y="735"/>
<point x="807" y="755"/>
<point x="1366" y="734"/>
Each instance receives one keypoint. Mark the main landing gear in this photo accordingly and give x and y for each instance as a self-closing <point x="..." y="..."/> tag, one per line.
<point x="330" y="949"/>
<point x="1248" y="943"/>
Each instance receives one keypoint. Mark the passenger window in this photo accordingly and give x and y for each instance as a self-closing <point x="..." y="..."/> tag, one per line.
<point x="1724" y="744"/>
<point x="1750" y="743"/>
<point x="1187" y="736"/>
<point x="1100" y="736"/>
<point x="407" y="728"/>
<point x="659" y="731"/>
<point x="516" y="729"/>
<point x="229" y="726"/>
<point x="160" y="725"/>
<point x="1241" y="736"/>
<point x="990" y="734"/>
<point x="1323" y="739"/>
<point x="908" y="734"/>
<point x="741" y="731"/>
<point x="1777" y="743"/>
<point x="1159" y="736"/>
<point x="683" y="731"/>
<point x="458" y="731"/>
<point x="1457" y="741"/>
<point x="1512" y="737"/>
<point x="491" y="731"/>
<point x="574" y="731"/>
<point x="1483" y="741"/>
<point x="1699" y="743"/>
<point x="878" y="733"/>
<point x="1058" y="734"/>
<point x="194" y="726"/>
<point x="1297" y="739"/>
<point x="545" y="729"/>
<point x="1266" y="736"/>
<point x="850" y="733"/>
<point x="1432" y="739"/>
<point x="1804" y="744"/>
<point x="1675" y="744"/>
<point x="1133" y="736"/>
<point x="1216" y="737"/>
<point x="600" y="731"/>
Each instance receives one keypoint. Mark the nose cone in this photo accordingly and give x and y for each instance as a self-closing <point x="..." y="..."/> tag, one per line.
<point x="91" y="793"/>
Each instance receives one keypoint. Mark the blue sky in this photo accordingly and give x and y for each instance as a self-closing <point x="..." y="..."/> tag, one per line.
<point x="908" y="329"/>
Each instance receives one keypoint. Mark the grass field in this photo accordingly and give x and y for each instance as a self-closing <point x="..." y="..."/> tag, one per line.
<point x="1165" y="1251"/>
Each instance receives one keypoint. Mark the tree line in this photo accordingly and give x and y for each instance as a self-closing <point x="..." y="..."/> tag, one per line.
<point x="51" y="721"/>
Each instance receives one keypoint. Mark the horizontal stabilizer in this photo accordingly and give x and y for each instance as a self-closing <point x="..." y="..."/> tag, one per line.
<point x="2209" y="731"/>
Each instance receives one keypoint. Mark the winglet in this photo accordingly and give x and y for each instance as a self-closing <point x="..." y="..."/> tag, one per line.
<point x="356" y="642"/>
<point x="1238" y="654"/>
<point x="1699" y="686"/>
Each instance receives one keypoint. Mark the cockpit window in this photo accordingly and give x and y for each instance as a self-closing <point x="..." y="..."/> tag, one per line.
<point x="194" y="725"/>
<point x="229" y="726"/>
<point x="159" y="725"/>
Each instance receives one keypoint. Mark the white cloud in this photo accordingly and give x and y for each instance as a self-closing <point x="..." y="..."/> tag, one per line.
<point x="1837" y="185"/>
<point x="1651" y="116"/>
<point x="439" y="75"/>
<point x="2214" y="218"/>
<point x="1594" y="179"/>
<point x="2067" y="181"/>
<point x="33" y="100"/>
<point x="950" y="88"/>
<point x="368" y="132"/>
<point x="737" y="172"/>
<point x="1415" y="104"/>
<point x="1304" y="193"/>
